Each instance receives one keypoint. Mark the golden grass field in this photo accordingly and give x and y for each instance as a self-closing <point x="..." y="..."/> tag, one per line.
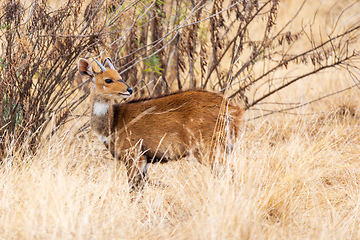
<point x="296" y="177"/>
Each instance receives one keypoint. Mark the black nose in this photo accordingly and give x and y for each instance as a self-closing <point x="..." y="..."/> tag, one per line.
<point x="130" y="90"/>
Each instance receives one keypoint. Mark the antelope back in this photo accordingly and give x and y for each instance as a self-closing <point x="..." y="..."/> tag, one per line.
<point x="108" y="82"/>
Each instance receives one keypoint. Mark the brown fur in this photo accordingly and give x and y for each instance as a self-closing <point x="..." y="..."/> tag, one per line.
<point x="176" y="122"/>
<point x="163" y="128"/>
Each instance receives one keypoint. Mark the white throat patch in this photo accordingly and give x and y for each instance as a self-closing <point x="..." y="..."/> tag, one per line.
<point x="100" y="108"/>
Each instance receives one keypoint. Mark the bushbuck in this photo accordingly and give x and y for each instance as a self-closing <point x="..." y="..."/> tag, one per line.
<point x="160" y="128"/>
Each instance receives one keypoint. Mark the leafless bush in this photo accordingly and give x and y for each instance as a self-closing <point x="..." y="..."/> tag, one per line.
<point x="38" y="51"/>
<point x="157" y="46"/>
<point x="212" y="45"/>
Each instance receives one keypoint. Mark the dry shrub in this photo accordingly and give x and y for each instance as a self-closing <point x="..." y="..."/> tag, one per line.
<point x="40" y="47"/>
<point x="159" y="47"/>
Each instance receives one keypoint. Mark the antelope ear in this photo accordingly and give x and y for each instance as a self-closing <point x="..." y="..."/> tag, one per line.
<point x="85" y="68"/>
<point x="108" y="63"/>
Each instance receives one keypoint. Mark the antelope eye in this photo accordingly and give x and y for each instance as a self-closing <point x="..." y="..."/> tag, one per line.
<point x="108" y="81"/>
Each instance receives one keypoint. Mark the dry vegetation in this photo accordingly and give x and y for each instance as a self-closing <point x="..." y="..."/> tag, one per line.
<point x="297" y="172"/>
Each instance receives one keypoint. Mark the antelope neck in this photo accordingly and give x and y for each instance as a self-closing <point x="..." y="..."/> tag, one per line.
<point x="101" y="117"/>
<point x="100" y="105"/>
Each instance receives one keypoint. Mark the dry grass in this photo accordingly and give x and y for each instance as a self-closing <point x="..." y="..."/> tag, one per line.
<point x="297" y="177"/>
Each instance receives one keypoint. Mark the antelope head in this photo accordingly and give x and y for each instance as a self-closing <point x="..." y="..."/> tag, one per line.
<point x="108" y="82"/>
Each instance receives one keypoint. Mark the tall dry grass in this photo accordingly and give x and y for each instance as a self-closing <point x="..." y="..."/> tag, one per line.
<point x="296" y="177"/>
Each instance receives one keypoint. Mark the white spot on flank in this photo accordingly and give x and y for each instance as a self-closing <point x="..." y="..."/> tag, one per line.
<point x="228" y="134"/>
<point x="100" y="108"/>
